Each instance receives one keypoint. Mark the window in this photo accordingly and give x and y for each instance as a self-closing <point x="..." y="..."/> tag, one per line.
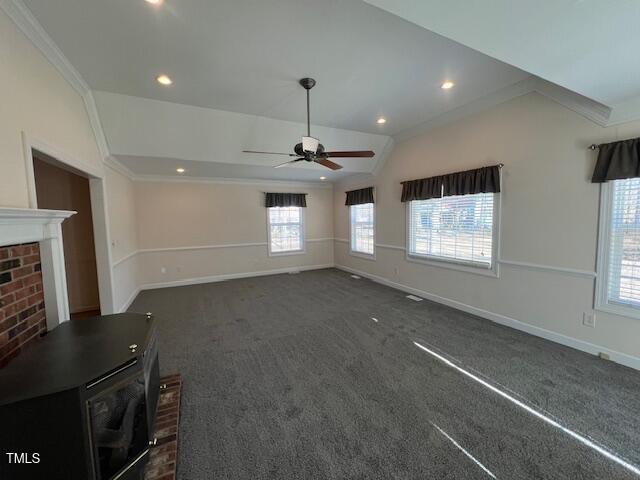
<point x="619" y="254"/>
<point x="362" y="229"/>
<point x="457" y="229"/>
<point x="286" y="230"/>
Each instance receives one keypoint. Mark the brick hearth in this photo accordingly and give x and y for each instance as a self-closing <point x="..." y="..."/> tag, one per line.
<point x="163" y="456"/>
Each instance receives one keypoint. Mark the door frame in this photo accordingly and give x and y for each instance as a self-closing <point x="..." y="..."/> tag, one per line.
<point x="99" y="209"/>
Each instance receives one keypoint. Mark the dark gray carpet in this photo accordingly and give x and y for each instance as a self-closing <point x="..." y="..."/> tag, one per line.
<point x="288" y="377"/>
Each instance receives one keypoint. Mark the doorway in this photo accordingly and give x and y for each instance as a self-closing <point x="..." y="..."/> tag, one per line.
<point x="59" y="187"/>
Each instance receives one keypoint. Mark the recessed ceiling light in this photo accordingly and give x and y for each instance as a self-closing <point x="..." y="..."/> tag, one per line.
<point x="164" y="80"/>
<point x="323" y="178"/>
<point x="381" y="121"/>
<point x="154" y="2"/>
<point x="447" y="85"/>
<point x="180" y="170"/>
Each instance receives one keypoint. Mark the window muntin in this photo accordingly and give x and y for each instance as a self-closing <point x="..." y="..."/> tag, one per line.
<point x="457" y="229"/>
<point x="623" y="255"/>
<point x="362" y="229"/>
<point x="286" y="231"/>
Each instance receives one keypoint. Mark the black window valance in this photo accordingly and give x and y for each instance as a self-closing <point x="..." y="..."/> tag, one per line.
<point x="617" y="160"/>
<point x="285" y="200"/>
<point x="358" y="197"/>
<point x="479" y="180"/>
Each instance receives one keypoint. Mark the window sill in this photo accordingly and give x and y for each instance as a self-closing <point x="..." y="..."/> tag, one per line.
<point x="287" y="253"/>
<point x="365" y="256"/>
<point x="453" y="265"/>
<point x="618" y="309"/>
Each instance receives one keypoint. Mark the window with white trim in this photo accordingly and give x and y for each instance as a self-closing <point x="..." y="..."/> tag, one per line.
<point x="362" y="229"/>
<point x="619" y="275"/>
<point x="458" y="229"/>
<point x="286" y="230"/>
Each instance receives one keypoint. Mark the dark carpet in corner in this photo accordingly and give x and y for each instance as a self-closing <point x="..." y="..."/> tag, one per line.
<point x="290" y="377"/>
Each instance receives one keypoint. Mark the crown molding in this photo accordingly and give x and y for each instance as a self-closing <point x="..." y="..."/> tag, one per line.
<point x="590" y="109"/>
<point x="114" y="164"/>
<point x="386" y="152"/>
<point x="230" y="181"/>
<point x="27" y="23"/>
<point x="481" y="104"/>
<point x="20" y="14"/>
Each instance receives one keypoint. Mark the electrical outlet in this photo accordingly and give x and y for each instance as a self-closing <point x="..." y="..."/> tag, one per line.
<point x="396" y="271"/>
<point x="589" y="319"/>
<point x="163" y="270"/>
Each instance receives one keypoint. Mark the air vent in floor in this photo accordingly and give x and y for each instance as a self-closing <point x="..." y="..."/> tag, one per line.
<point x="356" y="277"/>
<point x="414" y="298"/>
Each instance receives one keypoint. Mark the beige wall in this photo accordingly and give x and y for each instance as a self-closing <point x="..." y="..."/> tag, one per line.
<point x="549" y="217"/>
<point x="37" y="100"/>
<point x="123" y="229"/>
<point x="173" y="217"/>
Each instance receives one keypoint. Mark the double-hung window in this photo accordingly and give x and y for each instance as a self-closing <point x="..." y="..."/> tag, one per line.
<point x="286" y="230"/>
<point x="457" y="230"/>
<point x="618" y="289"/>
<point x="362" y="229"/>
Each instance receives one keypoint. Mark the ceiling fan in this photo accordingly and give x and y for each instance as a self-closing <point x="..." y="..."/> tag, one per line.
<point x="310" y="149"/>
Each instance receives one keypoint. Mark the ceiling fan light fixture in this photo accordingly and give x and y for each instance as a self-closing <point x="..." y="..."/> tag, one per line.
<point x="448" y="85"/>
<point x="381" y="121"/>
<point x="310" y="144"/>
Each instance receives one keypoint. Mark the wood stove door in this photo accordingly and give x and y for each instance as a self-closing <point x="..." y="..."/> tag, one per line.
<point x="118" y="428"/>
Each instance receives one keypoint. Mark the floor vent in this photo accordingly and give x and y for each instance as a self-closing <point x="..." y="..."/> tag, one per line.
<point x="414" y="298"/>
<point x="357" y="277"/>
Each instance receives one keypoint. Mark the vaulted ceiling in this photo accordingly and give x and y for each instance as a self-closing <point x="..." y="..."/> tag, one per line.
<point x="236" y="64"/>
<point x="587" y="46"/>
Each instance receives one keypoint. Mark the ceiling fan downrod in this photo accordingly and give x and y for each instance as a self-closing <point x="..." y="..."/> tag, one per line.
<point x="308" y="84"/>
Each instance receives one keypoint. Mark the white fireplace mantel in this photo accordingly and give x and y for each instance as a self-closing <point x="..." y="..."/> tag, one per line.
<point x="25" y="225"/>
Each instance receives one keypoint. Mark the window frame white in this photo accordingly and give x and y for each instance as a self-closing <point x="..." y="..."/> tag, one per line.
<point x="460" y="265"/>
<point x="357" y="253"/>
<point x="303" y="243"/>
<point x="601" y="301"/>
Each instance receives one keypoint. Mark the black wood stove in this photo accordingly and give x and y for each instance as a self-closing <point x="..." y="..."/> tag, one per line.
<point x="80" y="403"/>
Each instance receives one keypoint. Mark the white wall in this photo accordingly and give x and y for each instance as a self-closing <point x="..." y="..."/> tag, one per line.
<point x="204" y="230"/>
<point x="549" y="219"/>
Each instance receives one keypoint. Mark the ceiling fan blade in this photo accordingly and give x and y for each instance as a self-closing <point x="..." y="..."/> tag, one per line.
<point x="328" y="164"/>
<point x="348" y="154"/>
<point x="288" y="163"/>
<point x="270" y="153"/>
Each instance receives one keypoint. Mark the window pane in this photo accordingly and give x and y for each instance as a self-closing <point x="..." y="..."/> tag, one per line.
<point x="458" y="228"/>
<point x="285" y="225"/>
<point x="624" y="243"/>
<point x="362" y="228"/>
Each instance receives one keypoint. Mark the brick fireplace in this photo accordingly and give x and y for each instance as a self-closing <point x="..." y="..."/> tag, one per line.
<point x="22" y="312"/>
<point x="33" y="285"/>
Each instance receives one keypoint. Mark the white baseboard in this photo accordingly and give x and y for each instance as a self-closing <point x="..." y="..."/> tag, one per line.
<point x="130" y="300"/>
<point x="219" y="278"/>
<point x="618" y="357"/>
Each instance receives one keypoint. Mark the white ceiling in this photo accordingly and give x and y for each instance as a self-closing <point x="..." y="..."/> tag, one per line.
<point x="153" y="137"/>
<point x="587" y="46"/>
<point x="247" y="55"/>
